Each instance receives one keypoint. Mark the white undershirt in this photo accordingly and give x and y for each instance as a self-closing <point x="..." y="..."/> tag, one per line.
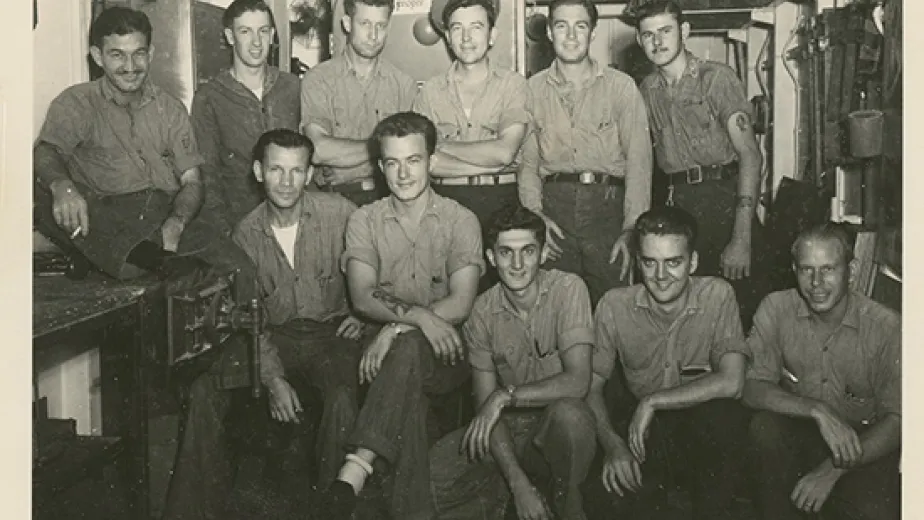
<point x="285" y="236"/>
<point x="258" y="92"/>
<point x="468" y="112"/>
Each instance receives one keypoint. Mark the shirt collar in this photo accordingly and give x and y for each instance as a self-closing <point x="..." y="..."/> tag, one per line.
<point x="148" y="92"/>
<point x="556" y="77"/>
<point x="643" y="300"/>
<point x="500" y="303"/>
<point x="851" y="317"/>
<point x="350" y="69"/>
<point x="390" y="210"/>
<point x="264" y="220"/>
<point x="453" y="67"/>
<point x="226" y="79"/>
<point x="692" y="70"/>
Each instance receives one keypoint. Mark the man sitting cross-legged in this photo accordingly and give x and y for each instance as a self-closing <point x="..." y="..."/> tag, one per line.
<point x="529" y="339"/>
<point x="413" y="259"/>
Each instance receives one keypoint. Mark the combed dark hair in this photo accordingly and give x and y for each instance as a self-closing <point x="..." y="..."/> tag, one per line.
<point x="349" y="6"/>
<point x="665" y="220"/>
<point x="840" y="232"/>
<point x="514" y="216"/>
<point x="454" y="5"/>
<point x="119" y="21"/>
<point x="239" y="7"/>
<point x="588" y="6"/>
<point x="403" y="124"/>
<point x="647" y="9"/>
<point x="283" y="138"/>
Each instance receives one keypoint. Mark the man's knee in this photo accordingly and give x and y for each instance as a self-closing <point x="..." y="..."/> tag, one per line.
<point x="406" y="351"/>
<point x="574" y="417"/>
<point x="768" y="430"/>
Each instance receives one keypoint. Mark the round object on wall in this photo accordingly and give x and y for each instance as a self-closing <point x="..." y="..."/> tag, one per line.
<point x="424" y="31"/>
<point x="537" y="27"/>
<point x="436" y="13"/>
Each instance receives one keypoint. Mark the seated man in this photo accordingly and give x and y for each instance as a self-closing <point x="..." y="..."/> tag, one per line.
<point x="117" y="166"/>
<point x="413" y="260"/>
<point x="826" y="377"/>
<point x="231" y="111"/>
<point x="529" y="339"/>
<point x="679" y="342"/>
<point x="295" y="238"/>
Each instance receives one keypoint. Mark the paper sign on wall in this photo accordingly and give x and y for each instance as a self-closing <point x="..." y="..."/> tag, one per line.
<point x="412" y="6"/>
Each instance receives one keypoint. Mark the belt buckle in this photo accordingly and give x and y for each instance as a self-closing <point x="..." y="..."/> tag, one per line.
<point x="367" y="184"/>
<point x="697" y="177"/>
<point x="586" y="178"/>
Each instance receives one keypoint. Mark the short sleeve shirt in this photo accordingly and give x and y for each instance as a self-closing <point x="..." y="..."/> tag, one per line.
<point x="653" y="353"/>
<point x="416" y="271"/>
<point x="857" y="370"/>
<point x="689" y="119"/>
<point x="315" y="288"/>
<point x="116" y="149"/>
<point x="524" y="351"/>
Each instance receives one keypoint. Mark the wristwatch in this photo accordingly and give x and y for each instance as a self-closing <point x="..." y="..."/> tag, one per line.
<point x="510" y="389"/>
<point x="396" y="327"/>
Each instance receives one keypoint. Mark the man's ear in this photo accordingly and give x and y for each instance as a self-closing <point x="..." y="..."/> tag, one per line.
<point x="684" y="31"/>
<point x="432" y="163"/>
<point x="694" y="262"/>
<point x="258" y="171"/>
<point x="490" y="254"/>
<point x="97" y="55"/>
<point x="492" y="36"/>
<point x="346" y="23"/>
<point x="229" y="37"/>
<point x="309" y="174"/>
<point x="593" y="34"/>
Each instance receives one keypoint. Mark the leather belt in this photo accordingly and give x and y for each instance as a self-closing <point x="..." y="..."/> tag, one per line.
<point x="700" y="174"/>
<point x="367" y="184"/>
<point x="487" y="179"/>
<point x="585" y="178"/>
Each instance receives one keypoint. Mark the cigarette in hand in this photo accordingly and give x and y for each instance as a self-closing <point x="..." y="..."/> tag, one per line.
<point x="76" y="232"/>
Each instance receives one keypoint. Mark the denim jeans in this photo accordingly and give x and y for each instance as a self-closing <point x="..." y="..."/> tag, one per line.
<point x="555" y="447"/>
<point x="316" y="360"/>
<point x="393" y="420"/>
<point x="701" y="447"/>
<point x="786" y="448"/>
<point x="590" y="215"/>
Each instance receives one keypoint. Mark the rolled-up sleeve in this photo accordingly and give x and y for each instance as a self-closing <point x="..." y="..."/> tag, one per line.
<point x="358" y="241"/>
<point x="478" y="343"/>
<point x="514" y="110"/>
<point x="182" y="139"/>
<point x="465" y="248"/>
<point x="605" y="340"/>
<point x="636" y="140"/>
<point x="575" y="319"/>
<point x="728" y="334"/>
<point x="726" y="95"/>
<point x="763" y="344"/>
<point x="887" y="375"/>
<point x="315" y="103"/>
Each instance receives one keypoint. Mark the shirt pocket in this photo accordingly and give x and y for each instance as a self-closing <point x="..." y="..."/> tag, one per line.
<point x="697" y="119"/>
<point x="448" y="131"/>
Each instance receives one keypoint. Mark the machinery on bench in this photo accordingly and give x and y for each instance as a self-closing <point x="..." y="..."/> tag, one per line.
<point x="203" y="320"/>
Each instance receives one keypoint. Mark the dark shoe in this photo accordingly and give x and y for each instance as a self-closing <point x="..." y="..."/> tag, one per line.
<point x="185" y="273"/>
<point x="337" y="502"/>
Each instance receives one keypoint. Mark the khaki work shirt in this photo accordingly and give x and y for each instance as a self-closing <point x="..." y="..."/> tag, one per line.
<point x="523" y="351"/>
<point x="652" y="352"/>
<point x="857" y="370"/>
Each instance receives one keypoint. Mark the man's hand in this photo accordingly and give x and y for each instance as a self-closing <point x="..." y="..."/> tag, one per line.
<point x="477" y="438"/>
<point x="284" y="404"/>
<point x="621" y="471"/>
<point x="841" y="439"/>
<point x="621" y="248"/>
<point x="529" y="502"/>
<point x="736" y="259"/>
<point x="552" y="251"/>
<point x="375" y="353"/>
<point x="171" y="231"/>
<point x="813" y="489"/>
<point x="69" y="208"/>
<point x="638" y="428"/>
<point x="351" y="328"/>
<point x="443" y="337"/>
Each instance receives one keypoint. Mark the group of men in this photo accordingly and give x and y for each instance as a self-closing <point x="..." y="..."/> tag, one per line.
<point x="368" y="212"/>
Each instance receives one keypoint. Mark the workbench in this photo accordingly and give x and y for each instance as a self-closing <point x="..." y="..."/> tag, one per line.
<point x="125" y="320"/>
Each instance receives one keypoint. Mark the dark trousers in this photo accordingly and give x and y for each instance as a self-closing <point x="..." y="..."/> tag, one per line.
<point x="701" y="448"/>
<point x="484" y="201"/>
<point x="555" y="446"/>
<point x="316" y="360"/>
<point x="786" y="448"/>
<point x="590" y="215"/>
<point x="713" y="204"/>
<point x="393" y="419"/>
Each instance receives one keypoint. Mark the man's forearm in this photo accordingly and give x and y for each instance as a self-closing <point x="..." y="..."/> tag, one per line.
<point x="762" y="395"/>
<point x="750" y="163"/>
<point x="706" y="388"/>
<point x="880" y="440"/>
<point x="490" y="153"/>
<point x="381" y="305"/>
<point x="339" y="152"/>
<point x="50" y="166"/>
<point x="606" y="434"/>
<point x="504" y="453"/>
<point x="546" y="391"/>
<point x="449" y="166"/>
<point x="188" y="201"/>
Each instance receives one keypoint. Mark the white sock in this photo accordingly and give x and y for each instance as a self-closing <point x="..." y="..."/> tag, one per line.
<point x="354" y="472"/>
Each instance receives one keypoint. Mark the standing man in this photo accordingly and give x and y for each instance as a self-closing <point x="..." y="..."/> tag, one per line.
<point x="117" y="168"/>
<point x="704" y="142"/>
<point x="232" y="110"/>
<point x="678" y="339"/>
<point x="480" y="114"/>
<point x="530" y="340"/>
<point x="413" y="260"/>
<point x="295" y="238"/>
<point x="344" y="98"/>
<point x="587" y="166"/>
<point x="827" y="379"/>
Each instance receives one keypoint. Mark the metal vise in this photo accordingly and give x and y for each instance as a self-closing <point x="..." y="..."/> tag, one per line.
<point x="200" y="321"/>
